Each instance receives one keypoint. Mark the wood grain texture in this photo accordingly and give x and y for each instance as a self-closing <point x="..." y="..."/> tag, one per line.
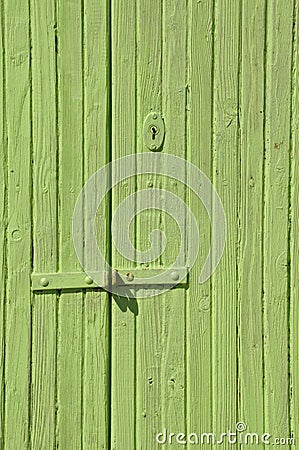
<point x="92" y="370"/>
<point x="123" y="381"/>
<point x="250" y="262"/>
<point x="96" y="131"/>
<point x="276" y="217"/>
<point x="3" y="223"/>
<point x="70" y="316"/>
<point x="43" y="394"/>
<point x="18" y="303"/>
<point x="199" y="146"/>
<point x="174" y="91"/>
<point x="294" y="233"/>
<point x="150" y="341"/>
<point x="225" y="163"/>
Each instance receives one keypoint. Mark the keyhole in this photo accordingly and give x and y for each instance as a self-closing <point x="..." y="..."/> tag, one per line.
<point x="154" y="132"/>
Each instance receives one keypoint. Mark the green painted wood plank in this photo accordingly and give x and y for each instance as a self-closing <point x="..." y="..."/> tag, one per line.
<point x="174" y="95"/>
<point x="225" y="175"/>
<point x="276" y="303"/>
<point x="149" y="323"/>
<point x="96" y="389"/>
<point x="250" y="320"/>
<point x="18" y="304"/>
<point x="43" y="403"/>
<point x="123" y="143"/>
<point x="294" y="233"/>
<point x="198" y="320"/>
<point x="160" y="335"/>
<point x="3" y="222"/>
<point x="70" y="342"/>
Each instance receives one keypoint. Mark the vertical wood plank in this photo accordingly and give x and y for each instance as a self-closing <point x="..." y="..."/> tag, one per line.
<point x="250" y="320"/>
<point x="294" y="233"/>
<point x="43" y="23"/>
<point x="225" y="174"/>
<point x="96" y="389"/>
<point x="70" y="351"/>
<point x="160" y="337"/>
<point x="277" y="151"/>
<point x="198" y="320"/>
<point x="150" y="344"/>
<point x="123" y="143"/>
<point x="3" y="222"/>
<point x="174" y="97"/>
<point x="18" y="304"/>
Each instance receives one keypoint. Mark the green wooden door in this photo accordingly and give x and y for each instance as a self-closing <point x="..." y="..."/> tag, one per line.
<point x="84" y="368"/>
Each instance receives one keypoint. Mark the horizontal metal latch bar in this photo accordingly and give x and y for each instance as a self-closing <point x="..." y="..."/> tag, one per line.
<point x="65" y="280"/>
<point x="80" y="280"/>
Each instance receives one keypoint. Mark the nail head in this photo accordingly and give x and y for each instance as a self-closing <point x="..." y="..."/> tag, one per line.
<point x="44" y="282"/>
<point x="130" y="277"/>
<point x="174" y="275"/>
<point x="88" y="280"/>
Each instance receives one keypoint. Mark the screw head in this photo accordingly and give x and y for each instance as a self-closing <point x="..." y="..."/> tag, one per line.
<point x="153" y="147"/>
<point x="88" y="280"/>
<point x="44" y="282"/>
<point x="129" y="276"/>
<point x="174" y="275"/>
<point x="155" y="116"/>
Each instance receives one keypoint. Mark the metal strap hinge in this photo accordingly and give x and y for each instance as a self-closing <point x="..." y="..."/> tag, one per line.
<point x="80" y="280"/>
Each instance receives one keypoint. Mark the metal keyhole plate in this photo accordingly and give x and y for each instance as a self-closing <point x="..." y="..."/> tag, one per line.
<point x="154" y="131"/>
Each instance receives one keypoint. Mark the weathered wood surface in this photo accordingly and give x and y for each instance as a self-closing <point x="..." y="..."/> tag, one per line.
<point x="87" y="369"/>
